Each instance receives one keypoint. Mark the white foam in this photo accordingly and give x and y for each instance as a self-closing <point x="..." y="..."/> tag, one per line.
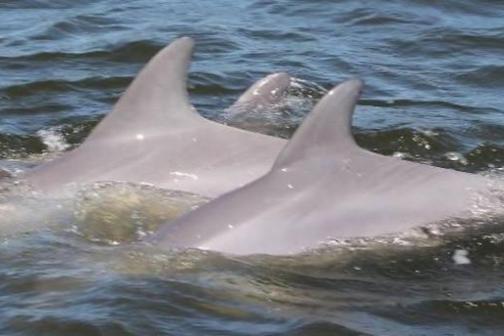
<point x="460" y="257"/>
<point x="455" y="156"/>
<point x="53" y="139"/>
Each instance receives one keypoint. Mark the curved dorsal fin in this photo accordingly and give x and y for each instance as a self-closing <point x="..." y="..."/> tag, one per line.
<point x="267" y="90"/>
<point x="327" y="129"/>
<point x="156" y="98"/>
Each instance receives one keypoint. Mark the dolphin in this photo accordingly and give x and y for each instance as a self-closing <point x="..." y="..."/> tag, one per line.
<point x="155" y="136"/>
<point x="261" y="95"/>
<point x="323" y="186"/>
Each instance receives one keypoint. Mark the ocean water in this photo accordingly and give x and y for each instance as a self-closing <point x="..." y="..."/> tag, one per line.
<point x="434" y="77"/>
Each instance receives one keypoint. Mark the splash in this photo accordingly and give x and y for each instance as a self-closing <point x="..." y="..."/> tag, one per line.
<point x="53" y="139"/>
<point x="114" y="213"/>
<point x="106" y="212"/>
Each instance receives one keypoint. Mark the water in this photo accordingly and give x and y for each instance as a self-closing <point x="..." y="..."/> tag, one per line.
<point x="434" y="77"/>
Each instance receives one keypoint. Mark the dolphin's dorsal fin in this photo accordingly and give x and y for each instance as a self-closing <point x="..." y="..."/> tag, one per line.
<point x="327" y="129"/>
<point x="330" y="189"/>
<point x="156" y="99"/>
<point x="268" y="90"/>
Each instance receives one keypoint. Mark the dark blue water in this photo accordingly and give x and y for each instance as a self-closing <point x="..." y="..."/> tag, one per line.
<point x="434" y="76"/>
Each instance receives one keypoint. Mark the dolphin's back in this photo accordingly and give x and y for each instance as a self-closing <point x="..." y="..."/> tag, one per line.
<point x="323" y="186"/>
<point x="154" y="135"/>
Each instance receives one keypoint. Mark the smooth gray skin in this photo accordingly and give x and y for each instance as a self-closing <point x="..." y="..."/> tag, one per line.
<point x="154" y="135"/>
<point x="263" y="93"/>
<point x="253" y="110"/>
<point x="323" y="186"/>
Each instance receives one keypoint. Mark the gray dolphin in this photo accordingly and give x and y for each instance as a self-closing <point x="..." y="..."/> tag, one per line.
<point x="264" y="93"/>
<point x="323" y="186"/>
<point x="154" y="135"/>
